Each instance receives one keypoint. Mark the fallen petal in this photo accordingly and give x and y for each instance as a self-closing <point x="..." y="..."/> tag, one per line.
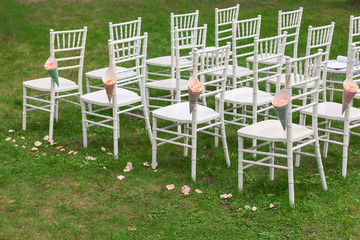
<point x="131" y="228"/>
<point x="62" y="150"/>
<point x="226" y="195"/>
<point x="34" y="149"/>
<point x="247" y="207"/>
<point x="239" y="210"/>
<point x="8" y="139"/>
<point x="71" y="152"/>
<point x="104" y="167"/>
<point x="198" y="191"/>
<point x="75" y="153"/>
<point x="43" y="154"/>
<point x="146" y="164"/>
<point x="16" y="145"/>
<point x="120" y="177"/>
<point x="37" y="143"/>
<point x="128" y="167"/>
<point x="170" y="187"/>
<point x="23" y="138"/>
<point x="109" y="153"/>
<point x="254" y="208"/>
<point x="13" y="140"/>
<point x="58" y="147"/>
<point x="270" y="195"/>
<point x="23" y="146"/>
<point x="11" y="130"/>
<point x="104" y="149"/>
<point x="46" y="138"/>
<point x="186" y="190"/>
<point x="271" y="205"/>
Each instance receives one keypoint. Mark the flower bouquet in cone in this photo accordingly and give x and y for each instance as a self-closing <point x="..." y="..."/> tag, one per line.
<point x="195" y="88"/>
<point x="109" y="80"/>
<point x="350" y="88"/>
<point x="52" y="68"/>
<point x="281" y="102"/>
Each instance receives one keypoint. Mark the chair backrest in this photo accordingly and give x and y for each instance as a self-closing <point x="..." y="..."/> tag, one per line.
<point x="290" y="22"/>
<point x="124" y="30"/>
<point x="243" y="34"/>
<point x="130" y="52"/>
<point x="264" y="49"/>
<point x="68" y="47"/>
<point x="208" y="61"/>
<point x="305" y="71"/>
<point x="223" y="24"/>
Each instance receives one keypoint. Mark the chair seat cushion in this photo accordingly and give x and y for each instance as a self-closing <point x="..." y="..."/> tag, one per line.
<point x="124" y="97"/>
<point x="244" y="95"/>
<point x="165" y="61"/>
<point x="239" y="71"/>
<point x="272" y="130"/>
<point x="167" y="84"/>
<point x="180" y="112"/>
<point x="99" y="73"/>
<point x="44" y="84"/>
<point x="332" y="111"/>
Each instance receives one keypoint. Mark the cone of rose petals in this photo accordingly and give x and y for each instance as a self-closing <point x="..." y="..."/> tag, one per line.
<point x="281" y="102"/>
<point x="52" y="68"/>
<point x="109" y="80"/>
<point x="195" y="88"/>
<point x="350" y="89"/>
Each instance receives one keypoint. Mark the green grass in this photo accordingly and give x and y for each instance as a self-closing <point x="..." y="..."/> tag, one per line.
<point x="69" y="197"/>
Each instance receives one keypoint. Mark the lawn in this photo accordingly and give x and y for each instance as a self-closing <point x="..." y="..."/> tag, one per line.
<point x="50" y="194"/>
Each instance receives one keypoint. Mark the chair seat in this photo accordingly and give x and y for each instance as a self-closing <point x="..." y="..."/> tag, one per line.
<point x="332" y="111"/>
<point x="272" y="130"/>
<point x="44" y="84"/>
<point x="124" y="97"/>
<point x="99" y="73"/>
<point x="239" y="71"/>
<point x="167" y="84"/>
<point x="165" y="61"/>
<point x="270" y="61"/>
<point x="244" y="96"/>
<point x="180" y="112"/>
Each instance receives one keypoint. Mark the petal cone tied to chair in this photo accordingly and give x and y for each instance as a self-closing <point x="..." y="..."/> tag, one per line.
<point x="281" y="104"/>
<point x="109" y="80"/>
<point x="52" y="67"/>
<point x="349" y="91"/>
<point x="195" y="88"/>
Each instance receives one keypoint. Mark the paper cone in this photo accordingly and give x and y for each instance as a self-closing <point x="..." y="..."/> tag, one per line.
<point x="109" y="80"/>
<point x="281" y="104"/>
<point x="195" y="88"/>
<point x="52" y="68"/>
<point x="349" y="91"/>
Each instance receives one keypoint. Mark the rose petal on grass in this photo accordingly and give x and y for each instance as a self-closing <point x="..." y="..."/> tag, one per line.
<point x="62" y="150"/>
<point x="271" y="205"/>
<point x="75" y="153"/>
<point x="52" y="142"/>
<point x="247" y="207"/>
<point x="43" y="154"/>
<point x="131" y="228"/>
<point x="128" y="167"/>
<point x="170" y="187"/>
<point x="90" y="158"/>
<point x="109" y="153"/>
<point x="71" y="152"/>
<point x="254" y="208"/>
<point x="13" y="140"/>
<point x="58" y="147"/>
<point x="8" y="139"/>
<point x="104" y="167"/>
<point x="120" y="177"/>
<point x="11" y="130"/>
<point x="226" y="195"/>
<point x="23" y="146"/>
<point x="16" y="145"/>
<point x="104" y="149"/>
<point x="46" y="138"/>
<point x="37" y="143"/>
<point x="23" y="138"/>
<point x="34" y="149"/>
<point x="186" y="190"/>
<point x="198" y="191"/>
<point x="239" y="210"/>
<point x="270" y="195"/>
<point x="155" y="170"/>
<point x="146" y="164"/>
<point x="57" y="155"/>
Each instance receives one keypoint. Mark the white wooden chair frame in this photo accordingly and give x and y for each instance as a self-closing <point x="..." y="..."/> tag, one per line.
<point x="185" y="41"/>
<point x="223" y="24"/>
<point x="271" y="131"/>
<point x="123" y="51"/>
<point x="61" y="42"/>
<point x="331" y="112"/>
<point x="215" y="59"/>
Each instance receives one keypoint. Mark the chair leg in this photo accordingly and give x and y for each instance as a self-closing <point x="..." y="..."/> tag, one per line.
<point x="24" y="108"/>
<point x="290" y="172"/>
<point x="56" y="107"/>
<point x="225" y="146"/>
<point x="115" y="131"/>
<point x="84" y="123"/>
<point x="298" y="156"/>
<point x="154" y="144"/>
<point x="240" y="163"/>
<point x="346" y="140"/>
<point x="327" y="136"/>
<point x="52" y="113"/>
<point x="118" y="118"/>
<point x="216" y="139"/>
<point x="186" y="139"/>
<point x="147" y="122"/>
<point x="271" y="150"/>
<point x="88" y="90"/>
<point x="193" y="150"/>
<point x="319" y="163"/>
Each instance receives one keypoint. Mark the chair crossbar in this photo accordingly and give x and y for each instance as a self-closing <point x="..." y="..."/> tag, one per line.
<point x="216" y="124"/>
<point x="258" y="163"/>
<point x="33" y="107"/>
<point x="37" y="99"/>
<point x="69" y="67"/>
<point x="303" y="107"/>
<point x="129" y="109"/>
<point x="172" y="142"/>
<point x="299" y="146"/>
